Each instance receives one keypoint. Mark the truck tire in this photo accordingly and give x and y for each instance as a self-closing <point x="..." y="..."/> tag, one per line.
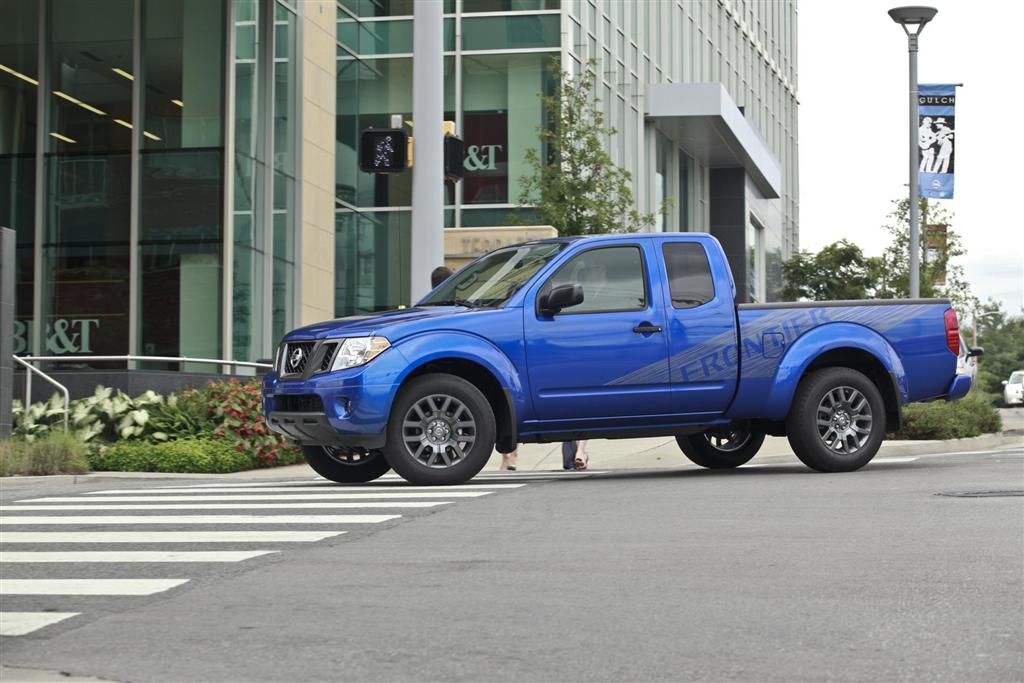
<point x="837" y="420"/>
<point x="441" y="431"/>
<point x="343" y="466"/>
<point x="722" y="447"/>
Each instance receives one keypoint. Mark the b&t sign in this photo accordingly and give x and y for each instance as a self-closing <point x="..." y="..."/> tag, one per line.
<point x="936" y="105"/>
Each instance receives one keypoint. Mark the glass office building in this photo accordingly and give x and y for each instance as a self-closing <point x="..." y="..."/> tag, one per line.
<point x="182" y="174"/>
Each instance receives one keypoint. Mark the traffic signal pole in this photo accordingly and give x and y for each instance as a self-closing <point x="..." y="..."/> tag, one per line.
<point x="427" y="241"/>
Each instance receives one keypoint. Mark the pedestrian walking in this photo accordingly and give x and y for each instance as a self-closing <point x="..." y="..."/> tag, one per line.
<point x="574" y="455"/>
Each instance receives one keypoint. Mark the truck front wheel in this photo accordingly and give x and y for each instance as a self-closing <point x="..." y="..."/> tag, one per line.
<point x="345" y="466"/>
<point x="441" y="431"/>
<point x="722" y="447"/>
<point x="837" y="420"/>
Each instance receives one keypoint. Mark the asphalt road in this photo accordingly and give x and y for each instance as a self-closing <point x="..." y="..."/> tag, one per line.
<point x="766" y="573"/>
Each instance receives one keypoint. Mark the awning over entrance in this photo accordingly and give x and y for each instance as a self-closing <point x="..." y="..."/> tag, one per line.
<point x="704" y="121"/>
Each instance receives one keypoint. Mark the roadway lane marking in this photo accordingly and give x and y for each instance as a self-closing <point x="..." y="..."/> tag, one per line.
<point x="356" y="493"/>
<point x="132" y="556"/>
<point x="225" y="506"/>
<point x="166" y="536"/>
<point x="87" y="586"/>
<point x="197" y="519"/>
<point x="312" y="485"/>
<point x="23" y="623"/>
<point x="787" y="463"/>
<point x="258" y="497"/>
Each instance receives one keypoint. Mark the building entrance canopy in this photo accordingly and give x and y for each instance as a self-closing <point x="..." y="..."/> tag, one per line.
<point x="704" y="121"/>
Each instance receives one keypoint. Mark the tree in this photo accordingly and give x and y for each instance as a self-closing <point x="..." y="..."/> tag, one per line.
<point x="839" y="271"/>
<point x="895" y="273"/>
<point x="1001" y="336"/>
<point x="573" y="182"/>
<point x="842" y="271"/>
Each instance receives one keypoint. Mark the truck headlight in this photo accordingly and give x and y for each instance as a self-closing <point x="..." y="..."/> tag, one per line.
<point x="357" y="351"/>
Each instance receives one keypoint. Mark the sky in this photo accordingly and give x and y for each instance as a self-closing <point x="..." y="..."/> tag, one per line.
<point x="853" y="128"/>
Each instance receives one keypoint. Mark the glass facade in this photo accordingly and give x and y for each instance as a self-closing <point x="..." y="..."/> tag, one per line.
<point x="491" y="81"/>
<point x="152" y="151"/>
<point x="114" y="128"/>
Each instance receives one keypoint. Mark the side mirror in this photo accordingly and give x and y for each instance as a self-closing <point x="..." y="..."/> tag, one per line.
<point x="975" y="352"/>
<point x="1005" y="382"/>
<point x="562" y="296"/>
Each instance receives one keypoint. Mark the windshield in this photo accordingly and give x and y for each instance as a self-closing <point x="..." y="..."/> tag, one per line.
<point x="1017" y="378"/>
<point x="492" y="280"/>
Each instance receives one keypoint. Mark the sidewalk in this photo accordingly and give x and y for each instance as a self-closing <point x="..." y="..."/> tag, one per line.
<point x="605" y="454"/>
<point x="610" y="454"/>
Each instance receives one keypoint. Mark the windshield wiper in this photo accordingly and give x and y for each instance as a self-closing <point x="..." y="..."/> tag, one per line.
<point x="455" y="302"/>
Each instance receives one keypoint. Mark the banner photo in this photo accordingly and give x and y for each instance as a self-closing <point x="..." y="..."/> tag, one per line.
<point x="936" y="106"/>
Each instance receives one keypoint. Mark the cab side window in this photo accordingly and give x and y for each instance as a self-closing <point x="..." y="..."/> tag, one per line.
<point x="612" y="279"/>
<point x="689" y="274"/>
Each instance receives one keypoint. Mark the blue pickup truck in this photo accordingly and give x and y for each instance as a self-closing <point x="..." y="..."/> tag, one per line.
<point x="614" y="336"/>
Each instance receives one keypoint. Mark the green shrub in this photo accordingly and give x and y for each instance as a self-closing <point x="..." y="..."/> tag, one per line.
<point x="109" y="414"/>
<point x="230" y="411"/>
<point x="183" y="455"/>
<point x="970" y="416"/>
<point x="12" y="457"/>
<point x="56" y="453"/>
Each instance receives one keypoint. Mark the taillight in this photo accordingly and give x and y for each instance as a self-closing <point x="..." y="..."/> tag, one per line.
<point x="952" y="331"/>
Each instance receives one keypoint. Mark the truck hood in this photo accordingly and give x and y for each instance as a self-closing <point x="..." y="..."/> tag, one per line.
<point x="384" y="323"/>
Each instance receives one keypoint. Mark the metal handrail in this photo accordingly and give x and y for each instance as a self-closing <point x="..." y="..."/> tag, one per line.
<point x="28" y="388"/>
<point x="164" y="359"/>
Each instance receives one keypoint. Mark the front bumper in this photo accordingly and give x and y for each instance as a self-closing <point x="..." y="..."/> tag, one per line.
<point x="343" y="408"/>
<point x="958" y="388"/>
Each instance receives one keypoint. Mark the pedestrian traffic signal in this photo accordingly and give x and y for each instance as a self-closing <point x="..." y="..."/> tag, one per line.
<point x="454" y="153"/>
<point x="383" y="150"/>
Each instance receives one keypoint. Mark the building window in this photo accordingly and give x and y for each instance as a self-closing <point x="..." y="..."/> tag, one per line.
<point x="19" y="121"/>
<point x="181" y="183"/>
<point x="755" y="260"/>
<point x="86" y="243"/>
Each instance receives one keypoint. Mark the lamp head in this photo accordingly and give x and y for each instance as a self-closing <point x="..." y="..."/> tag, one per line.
<point x="912" y="16"/>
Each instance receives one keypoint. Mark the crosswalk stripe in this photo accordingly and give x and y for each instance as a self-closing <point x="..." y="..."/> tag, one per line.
<point x="166" y="536"/>
<point x="259" y="496"/>
<point x="228" y="506"/>
<point x="132" y="556"/>
<point x="196" y="519"/>
<point x="87" y="586"/>
<point x="407" y="491"/>
<point x="311" y="485"/>
<point x="23" y="623"/>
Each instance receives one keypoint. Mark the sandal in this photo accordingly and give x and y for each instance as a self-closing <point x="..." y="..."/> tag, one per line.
<point x="580" y="463"/>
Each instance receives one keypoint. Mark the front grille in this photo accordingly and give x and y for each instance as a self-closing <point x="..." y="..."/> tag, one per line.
<point x="295" y="357"/>
<point x="328" y="351"/>
<point x="300" y="403"/>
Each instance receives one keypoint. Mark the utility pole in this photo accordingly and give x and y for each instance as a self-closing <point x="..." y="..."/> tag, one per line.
<point x="7" y="246"/>
<point x="915" y="17"/>
<point x="427" y="234"/>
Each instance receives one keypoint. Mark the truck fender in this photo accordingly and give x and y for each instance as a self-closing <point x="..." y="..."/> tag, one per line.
<point x="821" y="340"/>
<point x="423" y="348"/>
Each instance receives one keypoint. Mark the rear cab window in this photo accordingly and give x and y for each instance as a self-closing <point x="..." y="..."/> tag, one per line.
<point x="689" y="274"/>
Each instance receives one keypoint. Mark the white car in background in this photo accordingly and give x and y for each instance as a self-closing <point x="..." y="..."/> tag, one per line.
<point x="1013" y="389"/>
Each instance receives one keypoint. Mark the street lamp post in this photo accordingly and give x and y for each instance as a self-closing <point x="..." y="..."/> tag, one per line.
<point x="915" y="18"/>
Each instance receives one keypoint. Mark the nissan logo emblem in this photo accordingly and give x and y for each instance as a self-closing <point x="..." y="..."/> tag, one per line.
<point x="295" y="358"/>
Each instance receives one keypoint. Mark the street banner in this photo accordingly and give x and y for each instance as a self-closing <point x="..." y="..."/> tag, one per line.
<point x="936" y="105"/>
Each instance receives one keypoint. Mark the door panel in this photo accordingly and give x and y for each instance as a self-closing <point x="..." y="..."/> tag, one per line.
<point x="587" y="364"/>
<point x="703" y="351"/>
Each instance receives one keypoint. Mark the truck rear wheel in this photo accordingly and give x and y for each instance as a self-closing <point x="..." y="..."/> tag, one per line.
<point x="441" y="431"/>
<point x="345" y="466"/>
<point x="722" y="447"/>
<point x="837" y="420"/>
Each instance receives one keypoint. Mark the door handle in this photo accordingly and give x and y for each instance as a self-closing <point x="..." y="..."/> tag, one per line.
<point x="647" y="328"/>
